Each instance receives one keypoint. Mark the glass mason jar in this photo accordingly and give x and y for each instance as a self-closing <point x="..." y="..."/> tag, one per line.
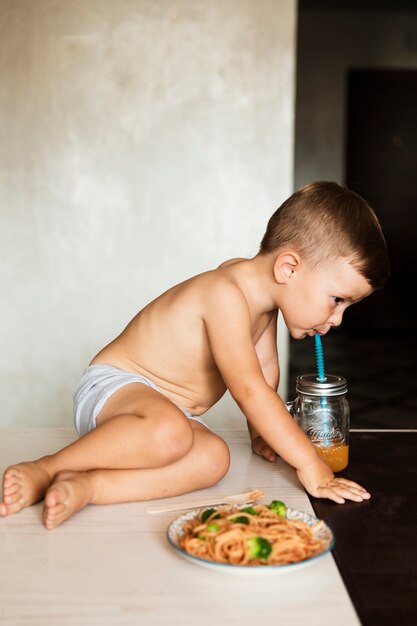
<point x="322" y="411"/>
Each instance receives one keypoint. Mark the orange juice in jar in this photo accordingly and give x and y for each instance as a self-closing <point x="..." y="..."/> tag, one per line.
<point x="322" y="412"/>
<point x="336" y="456"/>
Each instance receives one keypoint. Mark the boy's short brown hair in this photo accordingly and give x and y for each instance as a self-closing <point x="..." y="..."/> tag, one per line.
<point x="323" y="221"/>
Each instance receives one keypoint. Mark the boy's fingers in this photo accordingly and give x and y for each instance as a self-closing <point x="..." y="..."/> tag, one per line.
<point x="261" y="449"/>
<point x="268" y="453"/>
<point x="350" y="483"/>
<point x="348" y="494"/>
<point x="354" y="488"/>
<point x="327" y="492"/>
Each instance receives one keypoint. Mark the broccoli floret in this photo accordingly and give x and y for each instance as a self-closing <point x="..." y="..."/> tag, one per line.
<point x="250" y="510"/>
<point x="208" y="513"/>
<point x="212" y="527"/>
<point x="241" y="519"/>
<point x="278" y="507"/>
<point x="259" y="547"/>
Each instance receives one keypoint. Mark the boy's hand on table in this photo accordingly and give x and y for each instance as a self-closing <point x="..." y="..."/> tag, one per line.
<point x="318" y="479"/>
<point x="261" y="448"/>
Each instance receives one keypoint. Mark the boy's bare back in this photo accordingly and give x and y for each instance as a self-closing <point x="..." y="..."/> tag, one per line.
<point x="168" y="341"/>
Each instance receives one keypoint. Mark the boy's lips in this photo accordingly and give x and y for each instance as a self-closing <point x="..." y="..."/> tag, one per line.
<point x="317" y="332"/>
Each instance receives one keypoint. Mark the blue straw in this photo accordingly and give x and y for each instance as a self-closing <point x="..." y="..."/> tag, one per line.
<point x="321" y="376"/>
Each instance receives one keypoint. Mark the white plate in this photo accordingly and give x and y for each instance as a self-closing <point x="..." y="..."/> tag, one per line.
<point x="322" y="532"/>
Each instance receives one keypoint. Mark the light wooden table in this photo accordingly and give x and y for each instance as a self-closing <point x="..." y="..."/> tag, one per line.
<point x="112" y="565"/>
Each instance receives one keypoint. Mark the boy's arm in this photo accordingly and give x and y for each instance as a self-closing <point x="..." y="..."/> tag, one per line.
<point x="228" y="324"/>
<point x="267" y="353"/>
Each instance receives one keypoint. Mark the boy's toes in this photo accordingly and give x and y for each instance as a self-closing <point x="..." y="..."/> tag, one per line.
<point x="51" y="522"/>
<point x="55" y="510"/>
<point x="67" y="495"/>
<point x="3" y="509"/>
<point x="48" y="518"/>
<point x="11" y="484"/>
<point x="11" y="476"/>
<point x="11" y="498"/>
<point x="11" y="471"/>
<point x="54" y="496"/>
<point x="9" y="491"/>
<point x="8" y="508"/>
<point x="23" y="485"/>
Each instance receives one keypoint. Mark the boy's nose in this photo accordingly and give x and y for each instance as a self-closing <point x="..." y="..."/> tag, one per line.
<point x="335" y="319"/>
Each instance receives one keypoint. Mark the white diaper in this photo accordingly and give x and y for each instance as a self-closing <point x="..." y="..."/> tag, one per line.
<point x="96" y="385"/>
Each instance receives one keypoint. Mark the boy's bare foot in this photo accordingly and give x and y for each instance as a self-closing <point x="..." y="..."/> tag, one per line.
<point x="69" y="493"/>
<point x="23" y="485"/>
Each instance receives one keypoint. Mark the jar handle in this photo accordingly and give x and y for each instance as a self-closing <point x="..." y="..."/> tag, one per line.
<point x="290" y="407"/>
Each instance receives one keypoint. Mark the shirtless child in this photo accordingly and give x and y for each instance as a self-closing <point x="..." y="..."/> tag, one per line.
<point x="138" y="404"/>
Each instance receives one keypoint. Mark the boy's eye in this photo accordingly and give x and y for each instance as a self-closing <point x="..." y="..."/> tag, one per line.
<point x="338" y="300"/>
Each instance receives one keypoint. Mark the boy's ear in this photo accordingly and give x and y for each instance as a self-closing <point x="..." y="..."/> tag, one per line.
<point x="285" y="265"/>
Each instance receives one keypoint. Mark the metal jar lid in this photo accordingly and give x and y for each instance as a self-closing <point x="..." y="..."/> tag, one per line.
<point x="331" y="386"/>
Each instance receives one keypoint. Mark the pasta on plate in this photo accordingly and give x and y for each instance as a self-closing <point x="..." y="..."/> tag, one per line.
<point x="254" y="535"/>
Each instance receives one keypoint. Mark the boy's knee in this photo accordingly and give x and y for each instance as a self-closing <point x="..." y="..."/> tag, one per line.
<point x="215" y="461"/>
<point x="173" y="437"/>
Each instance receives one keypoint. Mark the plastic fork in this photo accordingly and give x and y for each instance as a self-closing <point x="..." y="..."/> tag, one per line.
<point x="240" y="498"/>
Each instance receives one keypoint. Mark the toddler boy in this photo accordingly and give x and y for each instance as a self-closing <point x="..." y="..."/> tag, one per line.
<point x="139" y="403"/>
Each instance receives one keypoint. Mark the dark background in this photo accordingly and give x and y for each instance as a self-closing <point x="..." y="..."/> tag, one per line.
<point x="376" y="346"/>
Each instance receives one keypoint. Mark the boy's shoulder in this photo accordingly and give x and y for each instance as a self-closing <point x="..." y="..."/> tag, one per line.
<point x="226" y="277"/>
<point x="217" y="287"/>
<point x="223" y="289"/>
<point x="228" y="272"/>
<point x="231" y="262"/>
<point x="229" y="287"/>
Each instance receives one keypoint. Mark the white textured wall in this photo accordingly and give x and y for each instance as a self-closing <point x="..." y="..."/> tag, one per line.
<point x="141" y="142"/>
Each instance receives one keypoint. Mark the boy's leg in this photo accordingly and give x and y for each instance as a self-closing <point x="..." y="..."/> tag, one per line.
<point x="137" y="428"/>
<point x="204" y="465"/>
